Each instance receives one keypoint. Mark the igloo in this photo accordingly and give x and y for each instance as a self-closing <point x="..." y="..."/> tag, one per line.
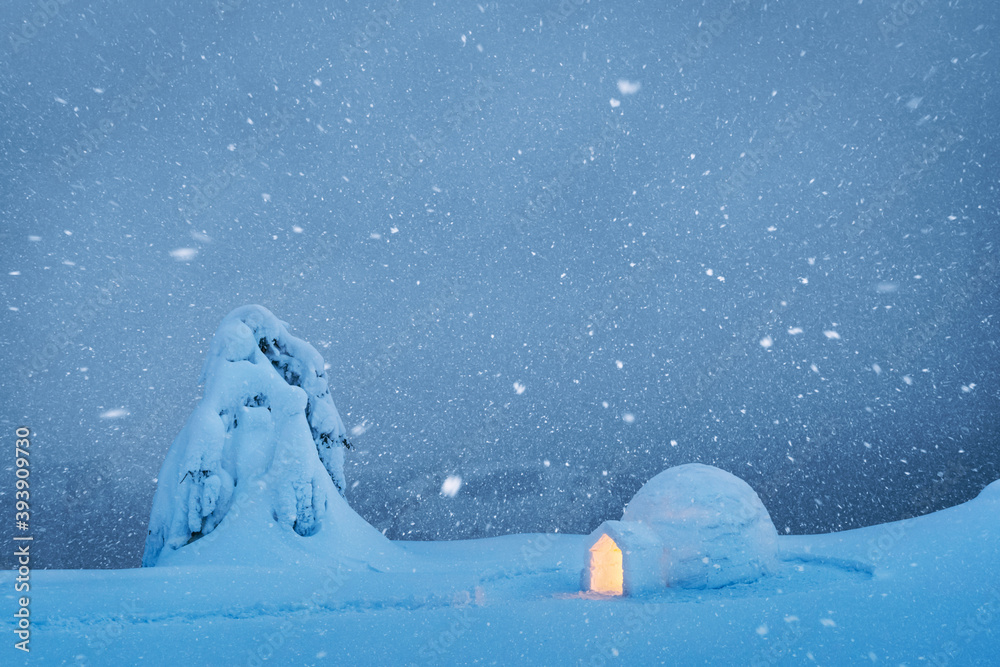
<point x="691" y="526"/>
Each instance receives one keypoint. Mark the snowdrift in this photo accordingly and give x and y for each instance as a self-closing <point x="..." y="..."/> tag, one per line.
<point x="256" y="474"/>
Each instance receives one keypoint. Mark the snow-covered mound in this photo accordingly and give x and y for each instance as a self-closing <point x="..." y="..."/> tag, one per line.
<point x="259" y="463"/>
<point x="992" y="491"/>
<point x="713" y="526"/>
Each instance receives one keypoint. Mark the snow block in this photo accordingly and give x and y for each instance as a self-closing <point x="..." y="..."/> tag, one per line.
<point x="261" y="455"/>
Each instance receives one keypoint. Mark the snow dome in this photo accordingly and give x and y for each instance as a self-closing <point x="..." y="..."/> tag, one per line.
<point x="691" y="526"/>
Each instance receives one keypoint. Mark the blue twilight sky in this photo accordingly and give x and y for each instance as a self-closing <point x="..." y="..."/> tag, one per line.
<point x="549" y="248"/>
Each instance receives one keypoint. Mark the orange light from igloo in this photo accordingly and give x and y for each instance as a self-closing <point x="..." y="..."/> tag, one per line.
<point x="606" y="567"/>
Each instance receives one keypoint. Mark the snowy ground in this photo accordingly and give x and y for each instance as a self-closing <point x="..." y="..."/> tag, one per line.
<point x="923" y="591"/>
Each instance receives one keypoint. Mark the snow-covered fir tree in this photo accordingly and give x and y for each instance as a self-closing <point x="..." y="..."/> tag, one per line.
<point x="262" y="453"/>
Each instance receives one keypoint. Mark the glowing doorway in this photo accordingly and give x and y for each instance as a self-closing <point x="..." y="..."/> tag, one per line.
<point x="606" y="567"/>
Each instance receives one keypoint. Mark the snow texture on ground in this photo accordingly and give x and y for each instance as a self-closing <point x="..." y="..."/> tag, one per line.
<point x="919" y="591"/>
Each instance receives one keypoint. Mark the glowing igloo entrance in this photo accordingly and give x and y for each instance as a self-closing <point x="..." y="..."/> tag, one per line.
<point x="606" y="573"/>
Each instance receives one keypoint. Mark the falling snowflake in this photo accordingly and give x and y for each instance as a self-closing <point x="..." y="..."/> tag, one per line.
<point x="451" y="486"/>
<point x="626" y="87"/>
<point x="184" y="254"/>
